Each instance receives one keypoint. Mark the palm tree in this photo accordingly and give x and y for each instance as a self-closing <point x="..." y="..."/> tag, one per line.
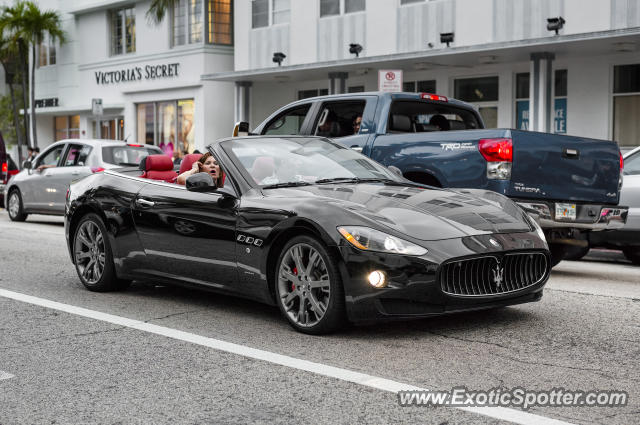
<point x="159" y="8"/>
<point x="36" y="25"/>
<point x="11" y="22"/>
<point x="8" y="58"/>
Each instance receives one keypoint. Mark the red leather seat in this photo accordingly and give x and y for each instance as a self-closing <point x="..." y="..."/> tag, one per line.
<point x="158" y="167"/>
<point x="188" y="160"/>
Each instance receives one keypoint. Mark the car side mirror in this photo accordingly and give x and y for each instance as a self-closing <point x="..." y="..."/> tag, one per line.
<point x="241" y="129"/>
<point x="26" y="164"/>
<point x="201" y="182"/>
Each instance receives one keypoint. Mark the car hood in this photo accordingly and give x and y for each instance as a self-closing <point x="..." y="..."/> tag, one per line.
<point x="425" y="214"/>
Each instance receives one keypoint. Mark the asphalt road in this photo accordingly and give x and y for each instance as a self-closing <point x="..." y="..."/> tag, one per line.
<point x="63" y="367"/>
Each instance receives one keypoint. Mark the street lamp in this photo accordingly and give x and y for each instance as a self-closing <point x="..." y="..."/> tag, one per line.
<point x="355" y="49"/>
<point x="278" y="57"/>
<point x="446" y="37"/>
<point x="555" y="24"/>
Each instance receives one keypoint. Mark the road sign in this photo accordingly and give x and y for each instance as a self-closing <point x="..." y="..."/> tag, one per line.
<point x="390" y="80"/>
<point x="96" y="107"/>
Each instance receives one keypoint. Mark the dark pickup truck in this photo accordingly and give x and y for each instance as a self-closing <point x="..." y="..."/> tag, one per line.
<point x="570" y="185"/>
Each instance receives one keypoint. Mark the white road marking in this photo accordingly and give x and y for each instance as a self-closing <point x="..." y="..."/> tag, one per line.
<point x="383" y="384"/>
<point x="5" y="375"/>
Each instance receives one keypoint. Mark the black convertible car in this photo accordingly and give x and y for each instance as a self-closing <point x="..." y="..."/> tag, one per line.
<point x="322" y="231"/>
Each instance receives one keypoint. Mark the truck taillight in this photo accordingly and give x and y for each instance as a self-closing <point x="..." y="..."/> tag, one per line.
<point x="495" y="150"/>
<point x="97" y="169"/>
<point x="499" y="156"/>
<point x="621" y="162"/>
<point x="5" y="167"/>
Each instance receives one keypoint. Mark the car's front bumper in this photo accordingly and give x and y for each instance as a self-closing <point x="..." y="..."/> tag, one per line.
<point x="414" y="288"/>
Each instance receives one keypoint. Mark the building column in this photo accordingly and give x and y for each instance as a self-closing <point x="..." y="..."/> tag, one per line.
<point x="243" y="101"/>
<point x="338" y="82"/>
<point x="540" y="89"/>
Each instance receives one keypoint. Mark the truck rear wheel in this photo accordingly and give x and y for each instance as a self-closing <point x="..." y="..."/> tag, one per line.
<point x="633" y="255"/>
<point x="575" y="253"/>
<point x="558" y="252"/>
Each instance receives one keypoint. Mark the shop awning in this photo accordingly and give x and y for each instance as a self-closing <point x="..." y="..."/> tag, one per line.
<point x="564" y="46"/>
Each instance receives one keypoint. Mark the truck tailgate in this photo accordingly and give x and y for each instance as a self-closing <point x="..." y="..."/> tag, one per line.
<point x="559" y="167"/>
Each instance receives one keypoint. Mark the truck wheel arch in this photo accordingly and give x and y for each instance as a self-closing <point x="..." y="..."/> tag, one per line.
<point x="422" y="177"/>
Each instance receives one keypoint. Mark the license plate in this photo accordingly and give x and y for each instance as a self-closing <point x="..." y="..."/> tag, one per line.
<point x="565" y="211"/>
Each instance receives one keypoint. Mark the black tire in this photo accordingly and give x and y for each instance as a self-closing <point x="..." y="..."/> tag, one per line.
<point x="575" y="253"/>
<point x="312" y="298"/>
<point x="15" y="207"/>
<point x="558" y="252"/>
<point x="633" y="255"/>
<point x="90" y="245"/>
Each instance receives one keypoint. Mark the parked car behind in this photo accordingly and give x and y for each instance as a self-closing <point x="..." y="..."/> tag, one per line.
<point x="8" y="168"/>
<point x="42" y="184"/>
<point x="626" y="239"/>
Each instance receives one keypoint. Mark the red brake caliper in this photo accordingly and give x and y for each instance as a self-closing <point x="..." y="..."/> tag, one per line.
<point x="295" y="272"/>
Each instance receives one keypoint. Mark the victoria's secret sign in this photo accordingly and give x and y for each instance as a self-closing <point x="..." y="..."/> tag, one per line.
<point x="149" y="72"/>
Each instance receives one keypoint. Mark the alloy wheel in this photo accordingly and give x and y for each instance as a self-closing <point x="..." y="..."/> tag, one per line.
<point x="90" y="252"/>
<point x="304" y="285"/>
<point x="14" y="204"/>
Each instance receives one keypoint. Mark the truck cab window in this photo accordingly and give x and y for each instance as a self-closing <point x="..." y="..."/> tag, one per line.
<point x="416" y="117"/>
<point x="339" y="119"/>
<point x="288" y="122"/>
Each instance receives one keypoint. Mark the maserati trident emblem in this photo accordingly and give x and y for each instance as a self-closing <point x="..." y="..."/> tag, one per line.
<point x="498" y="273"/>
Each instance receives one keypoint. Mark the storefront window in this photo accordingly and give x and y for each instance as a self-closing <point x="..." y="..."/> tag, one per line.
<point x="425" y="86"/>
<point x="187" y="21"/>
<point x="123" y="31"/>
<point x="220" y="22"/>
<point x="67" y="127"/>
<point x="168" y="125"/>
<point x="522" y="101"/>
<point x="626" y="105"/>
<point x="560" y="102"/>
<point x="483" y="93"/>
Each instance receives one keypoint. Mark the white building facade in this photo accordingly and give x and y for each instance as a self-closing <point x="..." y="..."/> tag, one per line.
<point x="209" y="63"/>
<point x="146" y="77"/>
<point x="584" y="80"/>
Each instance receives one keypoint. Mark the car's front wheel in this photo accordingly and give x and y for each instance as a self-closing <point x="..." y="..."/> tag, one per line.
<point x="93" y="256"/>
<point x="309" y="289"/>
<point x="15" y="207"/>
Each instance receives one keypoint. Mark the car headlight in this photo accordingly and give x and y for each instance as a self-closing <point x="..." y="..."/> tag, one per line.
<point x="368" y="239"/>
<point x="539" y="230"/>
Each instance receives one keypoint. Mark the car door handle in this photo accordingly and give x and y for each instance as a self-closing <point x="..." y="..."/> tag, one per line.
<point x="143" y="203"/>
<point x="75" y="173"/>
<point x="357" y="148"/>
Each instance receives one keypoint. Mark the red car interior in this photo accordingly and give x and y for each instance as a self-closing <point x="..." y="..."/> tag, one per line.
<point x="158" y="167"/>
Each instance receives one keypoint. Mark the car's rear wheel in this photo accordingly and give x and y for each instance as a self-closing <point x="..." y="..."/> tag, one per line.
<point x="632" y="254"/>
<point x="15" y="207"/>
<point x="93" y="256"/>
<point x="309" y="289"/>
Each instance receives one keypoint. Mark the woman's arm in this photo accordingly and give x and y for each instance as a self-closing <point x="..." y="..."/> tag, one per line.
<point x="182" y="178"/>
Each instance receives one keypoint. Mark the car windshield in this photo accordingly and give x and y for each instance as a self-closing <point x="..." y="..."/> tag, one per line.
<point x="127" y="155"/>
<point x="296" y="161"/>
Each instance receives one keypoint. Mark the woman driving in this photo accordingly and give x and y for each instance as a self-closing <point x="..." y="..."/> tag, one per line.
<point x="206" y="164"/>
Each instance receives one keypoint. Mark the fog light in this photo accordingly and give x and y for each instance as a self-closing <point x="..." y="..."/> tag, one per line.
<point x="377" y="279"/>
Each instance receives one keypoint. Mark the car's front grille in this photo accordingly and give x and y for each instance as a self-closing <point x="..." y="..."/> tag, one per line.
<point x="493" y="274"/>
